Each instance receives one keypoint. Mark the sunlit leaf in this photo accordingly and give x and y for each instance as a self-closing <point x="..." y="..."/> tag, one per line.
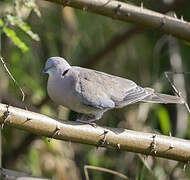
<point x="1" y="22"/>
<point x="16" y="20"/>
<point x="164" y="120"/>
<point x="15" y="39"/>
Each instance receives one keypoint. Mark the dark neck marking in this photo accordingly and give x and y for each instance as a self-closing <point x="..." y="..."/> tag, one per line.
<point x="65" y="72"/>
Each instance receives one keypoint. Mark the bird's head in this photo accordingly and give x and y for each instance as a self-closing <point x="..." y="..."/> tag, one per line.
<point x="56" y="65"/>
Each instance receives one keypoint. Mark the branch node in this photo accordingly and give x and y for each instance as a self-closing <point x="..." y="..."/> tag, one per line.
<point x="118" y="146"/>
<point x="175" y="16"/>
<point x="163" y="21"/>
<point x="27" y="119"/>
<point x="25" y="107"/>
<point x="85" y="8"/>
<point x="153" y="145"/>
<point x="103" y="140"/>
<point x="58" y="127"/>
<point x="128" y="14"/>
<point x="117" y="9"/>
<point x="56" y="131"/>
<point x="182" y="18"/>
<point x="141" y="5"/>
<point x="153" y="136"/>
<point x="171" y="146"/>
<point x="5" y="116"/>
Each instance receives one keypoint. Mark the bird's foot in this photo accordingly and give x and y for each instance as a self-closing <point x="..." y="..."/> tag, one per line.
<point x="87" y="122"/>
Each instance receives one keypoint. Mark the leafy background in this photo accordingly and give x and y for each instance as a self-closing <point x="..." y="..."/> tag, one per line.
<point x="33" y="31"/>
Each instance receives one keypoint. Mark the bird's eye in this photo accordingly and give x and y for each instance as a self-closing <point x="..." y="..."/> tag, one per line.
<point x="65" y="72"/>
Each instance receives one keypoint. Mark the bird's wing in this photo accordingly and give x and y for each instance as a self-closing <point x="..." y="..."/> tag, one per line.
<point x="104" y="91"/>
<point x="91" y="91"/>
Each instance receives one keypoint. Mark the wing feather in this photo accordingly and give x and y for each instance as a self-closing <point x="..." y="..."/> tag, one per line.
<point x="106" y="91"/>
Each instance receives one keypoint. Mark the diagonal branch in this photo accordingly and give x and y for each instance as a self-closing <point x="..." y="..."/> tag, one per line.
<point x="120" y="139"/>
<point x="130" y="13"/>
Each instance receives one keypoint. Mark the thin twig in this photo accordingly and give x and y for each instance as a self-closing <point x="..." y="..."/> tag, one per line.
<point x="178" y="93"/>
<point x="86" y="167"/>
<point x="7" y="70"/>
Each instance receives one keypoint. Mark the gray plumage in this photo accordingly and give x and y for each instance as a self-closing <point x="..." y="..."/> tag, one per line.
<point x="91" y="93"/>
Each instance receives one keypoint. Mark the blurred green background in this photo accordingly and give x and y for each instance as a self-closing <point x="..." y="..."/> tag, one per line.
<point x="31" y="33"/>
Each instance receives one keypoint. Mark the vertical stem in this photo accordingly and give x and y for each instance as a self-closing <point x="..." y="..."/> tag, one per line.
<point x="179" y="81"/>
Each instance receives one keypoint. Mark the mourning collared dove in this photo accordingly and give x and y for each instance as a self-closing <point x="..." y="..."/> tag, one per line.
<point x="90" y="93"/>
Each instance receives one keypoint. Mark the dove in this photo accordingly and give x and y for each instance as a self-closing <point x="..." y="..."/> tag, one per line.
<point x="90" y="93"/>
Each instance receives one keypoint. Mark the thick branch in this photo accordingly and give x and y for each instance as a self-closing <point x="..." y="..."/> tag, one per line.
<point x="145" y="143"/>
<point x="130" y="13"/>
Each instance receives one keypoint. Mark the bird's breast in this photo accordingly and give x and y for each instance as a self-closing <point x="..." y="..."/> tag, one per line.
<point x="62" y="91"/>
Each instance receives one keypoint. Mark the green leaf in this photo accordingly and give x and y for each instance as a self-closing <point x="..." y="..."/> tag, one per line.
<point x="1" y="22"/>
<point x="15" y="39"/>
<point x="16" y="20"/>
<point x="164" y="120"/>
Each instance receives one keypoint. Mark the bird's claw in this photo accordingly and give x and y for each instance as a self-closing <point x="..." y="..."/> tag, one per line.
<point x="93" y="124"/>
<point x="87" y="122"/>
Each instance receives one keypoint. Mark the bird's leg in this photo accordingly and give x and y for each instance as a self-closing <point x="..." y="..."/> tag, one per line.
<point x="88" y="119"/>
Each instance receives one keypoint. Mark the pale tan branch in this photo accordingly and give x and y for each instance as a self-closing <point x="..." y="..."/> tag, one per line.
<point x="119" y="139"/>
<point x="130" y="13"/>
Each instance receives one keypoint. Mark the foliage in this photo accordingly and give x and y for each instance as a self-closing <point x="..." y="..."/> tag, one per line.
<point x="164" y="120"/>
<point x="13" y="19"/>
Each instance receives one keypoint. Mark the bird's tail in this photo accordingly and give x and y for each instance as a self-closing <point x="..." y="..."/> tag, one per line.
<point x="163" y="98"/>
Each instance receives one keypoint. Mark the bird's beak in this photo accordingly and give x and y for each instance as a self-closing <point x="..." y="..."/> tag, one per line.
<point x="44" y="71"/>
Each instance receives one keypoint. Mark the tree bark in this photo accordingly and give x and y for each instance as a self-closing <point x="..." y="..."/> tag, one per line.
<point x="117" y="138"/>
<point x="130" y="13"/>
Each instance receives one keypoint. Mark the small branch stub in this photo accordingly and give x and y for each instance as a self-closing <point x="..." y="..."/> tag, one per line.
<point x="5" y="116"/>
<point x="153" y="145"/>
